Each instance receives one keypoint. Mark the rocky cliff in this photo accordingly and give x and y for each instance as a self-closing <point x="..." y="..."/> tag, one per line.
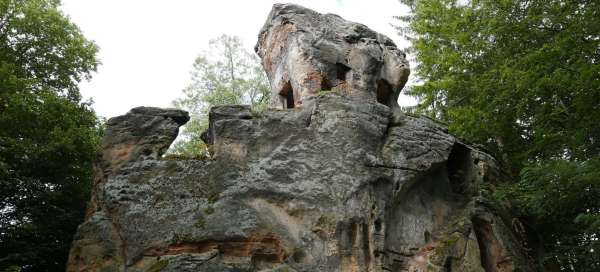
<point x="336" y="180"/>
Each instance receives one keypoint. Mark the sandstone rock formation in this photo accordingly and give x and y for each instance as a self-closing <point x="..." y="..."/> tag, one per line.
<point x="305" y="52"/>
<point x="340" y="184"/>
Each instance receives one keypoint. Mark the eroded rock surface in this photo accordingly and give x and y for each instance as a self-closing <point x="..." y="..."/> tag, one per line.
<point x="305" y="52"/>
<point x="331" y="186"/>
<point x="343" y="183"/>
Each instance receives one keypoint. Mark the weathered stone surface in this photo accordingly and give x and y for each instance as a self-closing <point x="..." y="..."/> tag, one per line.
<point x="331" y="186"/>
<point x="143" y="132"/>
<point x="343" y="183"/>
<point x="305" y="52"/>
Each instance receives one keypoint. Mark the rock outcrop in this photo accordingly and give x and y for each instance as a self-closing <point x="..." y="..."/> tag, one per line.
<point x="342" y="183"/>
<point x="305" y="52"/>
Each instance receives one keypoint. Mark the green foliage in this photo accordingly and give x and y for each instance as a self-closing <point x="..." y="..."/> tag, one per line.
<point x="189" y="145"/>
<point x="209" y="210"/>
<point x="511" y="74"/>
<point x="226" y="74"/>
<point x="562" y="196"/>
<point x="47" y="136"/>
<point x="41" y="47"/>
<point x="200" y="223"/>
<point x="158" y="266"/>
<point x="522" y="79"/>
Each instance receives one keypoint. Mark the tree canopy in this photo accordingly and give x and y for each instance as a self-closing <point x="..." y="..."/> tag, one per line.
<point x="225" y="74"/>
<point x="48" y="136"/>
<point x="522" y="78"/>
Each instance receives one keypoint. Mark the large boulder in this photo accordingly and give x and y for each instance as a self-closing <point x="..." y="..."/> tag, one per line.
<point x="305" y="52"/>
<point x="343" y="183"/>
<point x="336" y="185"/>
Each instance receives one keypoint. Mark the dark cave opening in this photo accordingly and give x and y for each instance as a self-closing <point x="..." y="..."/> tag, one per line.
<point x="378" y="225"/>
<point x="384" y="90"/>
<point x="288" y="94"/>
<point x="325" y="85"/>
<point x="341" y="71"/>
<point x="458" y="167"/>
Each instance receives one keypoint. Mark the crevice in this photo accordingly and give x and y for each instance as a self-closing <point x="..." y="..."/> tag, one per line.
<point x="384" y="91"/>
<point x="377" y="225"/>
<point x="122" y="241"/>
<point x="325" y="84"/>
<point x="212" y="257"/>
<point x="308" y="120"/>
<point x="448" y="264"/>
<point x="366" y="247"/>
<point x="458" y="166"/>
<point x="341" y="71"/>
<point x="393" y="167"/>
<point x="427" y="236"/>
<point x="487" y="243"/>
<point x="287" y="95"/>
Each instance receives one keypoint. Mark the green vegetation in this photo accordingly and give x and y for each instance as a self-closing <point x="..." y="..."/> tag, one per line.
<point x="159" y="266"/>
<point x="213" y="197"/>
<point x="209" y="210"/>
<point x="324" y="92"/>
<point x="47" y="135"/>
<point x="522" y="78"/>
<point x="226" y="74"/>
<point x="200" y="223"/>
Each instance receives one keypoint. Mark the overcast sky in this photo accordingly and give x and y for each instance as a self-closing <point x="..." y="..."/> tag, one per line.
<point x="147" y="47"/>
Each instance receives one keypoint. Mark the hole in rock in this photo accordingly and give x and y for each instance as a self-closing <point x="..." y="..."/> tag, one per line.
<point x="325" y="84"/>
<point x="448" y="264"/>
<point x="384" y="90"/>
<point x="288" y="94"/>
<point x="299" y="256"/>
<point x="341" y="71"/>
<point x="378" y="225"/>
<point x="458" y="166"/>
<point x="427" y="236"/>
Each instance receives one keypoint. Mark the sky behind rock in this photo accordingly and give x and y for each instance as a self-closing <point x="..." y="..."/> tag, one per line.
<point x="147" y="47"/>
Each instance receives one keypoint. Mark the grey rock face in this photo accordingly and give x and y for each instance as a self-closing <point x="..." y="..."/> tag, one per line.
<point x="305" y="52"/>
<point x="343" y="183"/>
<point x="142" y="132"/>
<point x="331" y="186"/>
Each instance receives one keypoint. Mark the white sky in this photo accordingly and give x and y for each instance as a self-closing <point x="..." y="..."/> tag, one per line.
<point x="147" y="47"/>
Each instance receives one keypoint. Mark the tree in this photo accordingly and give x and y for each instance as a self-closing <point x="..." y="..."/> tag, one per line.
<point x="226" y="74"/>
<point x="40" y="46"/>
<point x="521" y="78"/>
<point x="48" y="137"/>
